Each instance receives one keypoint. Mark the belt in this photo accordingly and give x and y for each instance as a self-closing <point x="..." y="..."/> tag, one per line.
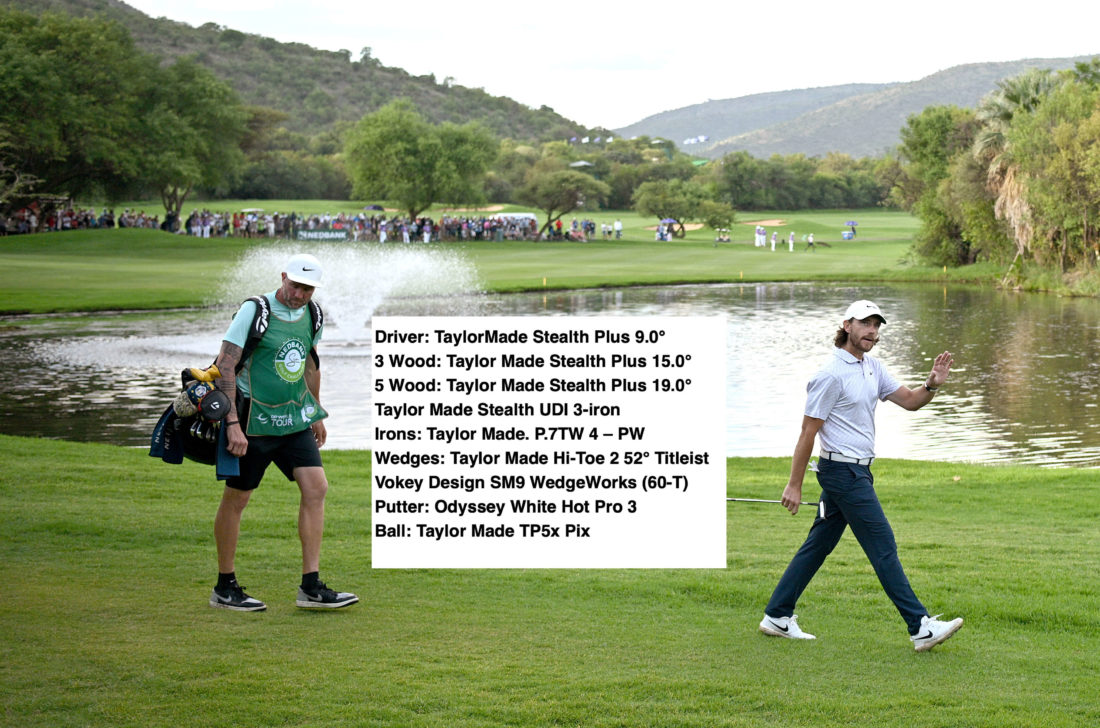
<point x="838" y="457"/>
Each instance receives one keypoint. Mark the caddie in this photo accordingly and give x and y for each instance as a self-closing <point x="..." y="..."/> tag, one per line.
<point x="273" y="381"/>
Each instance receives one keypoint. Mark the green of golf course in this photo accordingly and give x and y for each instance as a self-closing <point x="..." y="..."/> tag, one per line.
<point x="134" y="269"/>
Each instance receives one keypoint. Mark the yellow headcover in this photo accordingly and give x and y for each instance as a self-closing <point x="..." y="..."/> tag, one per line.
<point x="206" y="375"/>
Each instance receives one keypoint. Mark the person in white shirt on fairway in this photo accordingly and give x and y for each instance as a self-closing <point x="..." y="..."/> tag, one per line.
<point x="840" y="410"/>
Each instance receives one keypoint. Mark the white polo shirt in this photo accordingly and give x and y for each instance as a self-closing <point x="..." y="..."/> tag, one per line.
<point x="844" y="393"/>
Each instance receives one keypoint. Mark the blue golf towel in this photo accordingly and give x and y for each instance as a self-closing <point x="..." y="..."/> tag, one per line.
<point x="227" y="466"/>
<point x="167" y="444"/>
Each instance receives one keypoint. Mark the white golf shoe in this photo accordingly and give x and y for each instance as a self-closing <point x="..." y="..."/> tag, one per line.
<point x="784" y="627"/>
<point x="933" y="631"/>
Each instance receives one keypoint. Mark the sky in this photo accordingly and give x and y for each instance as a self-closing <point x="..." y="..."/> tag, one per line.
<point x="611" y="64"/>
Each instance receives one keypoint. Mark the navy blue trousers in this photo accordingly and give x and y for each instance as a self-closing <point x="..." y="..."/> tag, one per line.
<point x="850" y="500"/>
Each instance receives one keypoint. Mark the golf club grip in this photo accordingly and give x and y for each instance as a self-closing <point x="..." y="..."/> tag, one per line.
<point x="763" y="500"/>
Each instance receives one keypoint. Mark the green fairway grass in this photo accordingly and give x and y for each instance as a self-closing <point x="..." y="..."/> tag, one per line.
<point x="109" y="562"/>
<point x="93" y="270"/>
<point x="148" y="269"/>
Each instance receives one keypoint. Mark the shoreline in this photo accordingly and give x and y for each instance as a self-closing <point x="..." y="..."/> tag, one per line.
<point x="26" y="314"/>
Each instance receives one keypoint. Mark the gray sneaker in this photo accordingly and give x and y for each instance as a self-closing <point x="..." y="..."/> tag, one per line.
<point x="933" y="631"/>
<point x="324" y="598"/>
<point x="234" y="598"/>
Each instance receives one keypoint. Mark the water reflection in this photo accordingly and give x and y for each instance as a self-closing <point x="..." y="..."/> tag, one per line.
<point x="1025" y="388"/>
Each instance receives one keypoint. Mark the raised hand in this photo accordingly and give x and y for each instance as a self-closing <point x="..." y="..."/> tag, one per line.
<point x="941" y="369"/>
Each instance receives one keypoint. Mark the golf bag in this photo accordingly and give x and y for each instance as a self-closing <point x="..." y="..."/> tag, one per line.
<point x="191" y="426"/>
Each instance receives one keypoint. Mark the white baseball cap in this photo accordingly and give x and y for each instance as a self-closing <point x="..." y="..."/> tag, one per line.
<point x="863" y="309"/>
<point x="305" y="269"/>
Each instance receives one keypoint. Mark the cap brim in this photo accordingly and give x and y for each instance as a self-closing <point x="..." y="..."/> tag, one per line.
<point x="866" y="315"/>
<point x="303" y="281"/>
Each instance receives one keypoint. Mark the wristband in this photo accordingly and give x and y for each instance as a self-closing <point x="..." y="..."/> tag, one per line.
<point x="232" y="422"/>
<point x="930" y="389"/>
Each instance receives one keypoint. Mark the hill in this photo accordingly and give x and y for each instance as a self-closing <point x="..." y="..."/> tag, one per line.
<point x="321" y="91"/>
<point x="726" y="118"/>
<point x="830" y="119"/>
<point x="318" y="90"/>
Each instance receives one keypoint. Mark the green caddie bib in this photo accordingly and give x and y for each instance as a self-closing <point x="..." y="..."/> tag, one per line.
<point x="281" y="402"/>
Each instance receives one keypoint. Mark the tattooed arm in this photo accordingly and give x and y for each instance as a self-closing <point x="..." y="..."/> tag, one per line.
<point x="227" y="360"/>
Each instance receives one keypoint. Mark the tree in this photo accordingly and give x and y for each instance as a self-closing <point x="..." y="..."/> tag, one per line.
<point x="717" y="215"/>
<point x="13" y="183"/>
<point x="899" y="189"/>
<point x="623" y="181"/>
<point x="1087" y="73"/>
<point x="931" y="140"/>
<point x="395" y="154"/>
<point x="738" y="181"/>
<point x="673" y="199"/>
<point x="1055" y="148"/>
<point x="85" y="113"/>
<point x="787" y="183"/>
<point x="1014" y="97"/>
<point x="558" y="192"/>
<point x="195" y="125"/>
<point x="261" y="127"/>
<point x="512" y="163"/>
<point x="967" y="205"/>
<point x="281" y="175"/>
<point x="468" y="150"/>
<point x="70" y="89"/>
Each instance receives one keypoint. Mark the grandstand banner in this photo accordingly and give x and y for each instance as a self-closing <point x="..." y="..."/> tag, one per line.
<point x="322" y="235"/>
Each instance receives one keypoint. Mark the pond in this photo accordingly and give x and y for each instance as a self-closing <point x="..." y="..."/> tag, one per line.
<point x="1025" y="388"/>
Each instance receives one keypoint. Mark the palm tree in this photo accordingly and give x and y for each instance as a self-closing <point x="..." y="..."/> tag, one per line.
<point x="1017" y="95"/>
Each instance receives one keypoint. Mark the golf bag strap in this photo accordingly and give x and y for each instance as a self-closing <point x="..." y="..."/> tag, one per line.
<point x="317" y="318"/>
<point x="262" y="319"/>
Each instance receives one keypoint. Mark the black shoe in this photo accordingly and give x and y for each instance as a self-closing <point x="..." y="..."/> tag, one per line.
<point x="324" y="598"/>
<point x="233" y="597"/>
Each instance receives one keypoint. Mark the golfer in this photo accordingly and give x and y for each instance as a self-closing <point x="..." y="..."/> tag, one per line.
<point x="840" y="410"/>
<point x="275" y="417"/>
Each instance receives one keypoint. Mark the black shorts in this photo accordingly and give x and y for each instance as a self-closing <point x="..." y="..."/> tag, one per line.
<point x="297" y="450"/>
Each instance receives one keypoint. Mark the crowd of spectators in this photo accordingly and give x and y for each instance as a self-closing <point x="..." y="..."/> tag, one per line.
<point x="30" y="220"/>
<point x="446" y="228"/>
<point x="361" y="226"/>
